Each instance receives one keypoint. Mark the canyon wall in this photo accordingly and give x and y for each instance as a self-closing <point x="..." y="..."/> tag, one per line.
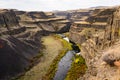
<point x="17" y="46"/>
<point x="46" y="21"/>
<point x="99" y="43"/>
<point x="20" y="38"/>
<point x="100" y="15"/>
<point x="7" y="20"/>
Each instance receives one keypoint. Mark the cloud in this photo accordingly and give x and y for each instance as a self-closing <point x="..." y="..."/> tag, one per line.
<point x="48" y="5"/>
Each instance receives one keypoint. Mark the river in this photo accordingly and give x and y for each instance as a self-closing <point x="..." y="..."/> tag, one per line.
<point x="65" y="63"/>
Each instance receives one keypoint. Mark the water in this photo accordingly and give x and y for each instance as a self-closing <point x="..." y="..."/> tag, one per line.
<point x="64" y="65"/>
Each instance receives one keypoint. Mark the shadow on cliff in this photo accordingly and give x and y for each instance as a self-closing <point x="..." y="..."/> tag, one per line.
<point x="15" y="56"/>
<point x="46" y="32"/>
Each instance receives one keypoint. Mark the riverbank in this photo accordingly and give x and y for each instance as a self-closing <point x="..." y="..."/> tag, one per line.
<point x="64" y="65"/>
<point x="53" y="47"/>
<point x="53" y="67"/>
<point x="78" y="68"/>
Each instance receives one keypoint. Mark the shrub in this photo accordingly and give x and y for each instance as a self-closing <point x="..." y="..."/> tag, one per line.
<point x="78" y="68"/>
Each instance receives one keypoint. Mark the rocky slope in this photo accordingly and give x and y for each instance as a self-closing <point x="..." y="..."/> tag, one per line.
<point x="95" y="22"/>
<point x="43" y="21"/>
<point x="17" y="46"/>
<point x="20" y="34"/>
<point x="91" y="15"/>
<point x="75" y="15"/>
<point x="98" y="43"/>
<point x="100" y="15"/>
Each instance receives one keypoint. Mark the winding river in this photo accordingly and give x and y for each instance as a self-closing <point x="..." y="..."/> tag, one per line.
<point x="65" y="63"/>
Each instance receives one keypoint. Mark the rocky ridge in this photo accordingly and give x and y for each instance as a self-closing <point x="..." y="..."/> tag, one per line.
<point x="17" y="45"/>
<point x="43" y="21"/>
<point x="95" y="43"/>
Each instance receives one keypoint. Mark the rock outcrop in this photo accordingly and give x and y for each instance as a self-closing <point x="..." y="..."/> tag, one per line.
<point x="8" y="18"/>
<point x="18" y="46"/>
<point x="100" y="15"/>
<point x="90" y="15"/>
<point x="20" y="34"/>
<point x="91" y="26"/>
<point x="43" y="21"/>
<point x="75" y="15"/>
<point x="96" y="45"/>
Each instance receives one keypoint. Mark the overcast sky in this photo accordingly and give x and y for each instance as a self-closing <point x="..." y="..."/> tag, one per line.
<point x="49" y="5"/>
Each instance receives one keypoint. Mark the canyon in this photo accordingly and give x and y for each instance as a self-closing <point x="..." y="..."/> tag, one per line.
<point x="22" y="36"/>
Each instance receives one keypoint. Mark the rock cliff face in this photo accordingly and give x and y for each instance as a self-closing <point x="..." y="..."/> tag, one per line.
<point x="43" y="21"/>
<point x="91" y="25"/>
<point x="90" y="15"/>
<point x="8" y="19"/>
<point x="96" y="45"/>
<point x="75" y="15"/>
<point x="20" y="34"/>
<point x="18" y="46"/>
<point x="100" y="15"/>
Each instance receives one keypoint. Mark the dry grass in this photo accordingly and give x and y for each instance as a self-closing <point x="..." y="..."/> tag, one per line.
<point x="53" y="47"/>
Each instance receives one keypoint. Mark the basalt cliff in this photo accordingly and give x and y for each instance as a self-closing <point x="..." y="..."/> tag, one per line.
<point x="18" y="46"/>
<point x="100" y="44"/>
<point x="20" y="38"/>
<point x="46" y="21"/>
<point x="96" y="30"/>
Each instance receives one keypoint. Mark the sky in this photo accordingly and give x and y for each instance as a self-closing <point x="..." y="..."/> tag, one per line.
<point x="50" y="5"/>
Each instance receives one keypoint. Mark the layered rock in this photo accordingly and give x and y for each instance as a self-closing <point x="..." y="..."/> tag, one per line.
<point x="81" y="31"/>
<point x="91" y="15"/>
<point x="75" y="15"/>
<point x="100" y="15"/>
<point x="20" y="34"/>
<point x="8" y="18"/>
<point x="98" y="44"/>
<point x="43" y="21"/>
<point x="82" y="28"/>
<point x="18" y="46"/>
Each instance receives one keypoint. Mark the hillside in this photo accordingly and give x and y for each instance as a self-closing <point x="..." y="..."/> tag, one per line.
<point x="17" y="46"/>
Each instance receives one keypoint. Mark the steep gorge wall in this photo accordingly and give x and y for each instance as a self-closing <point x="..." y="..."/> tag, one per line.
<point x="100" y="15"/>
<point x="96" y="46"/>
<point x="16" y="53"/>
<point x="80" y="32"/>
<point x="43" y="21"/>
<point x="8" y="18"/>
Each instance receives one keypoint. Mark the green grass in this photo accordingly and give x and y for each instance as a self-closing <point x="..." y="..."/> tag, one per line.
<point x="78" y="45"/>
<point x="53" y="67"/>
<point x="55" y="49"/>
<point x="67" y="34"/>
<point x="77" y="69"/>
<point x="50" y="52"/>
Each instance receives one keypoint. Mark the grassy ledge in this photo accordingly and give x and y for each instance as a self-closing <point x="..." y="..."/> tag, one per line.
<point x="78" y="68"/>
<point x="53" y="67"/>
